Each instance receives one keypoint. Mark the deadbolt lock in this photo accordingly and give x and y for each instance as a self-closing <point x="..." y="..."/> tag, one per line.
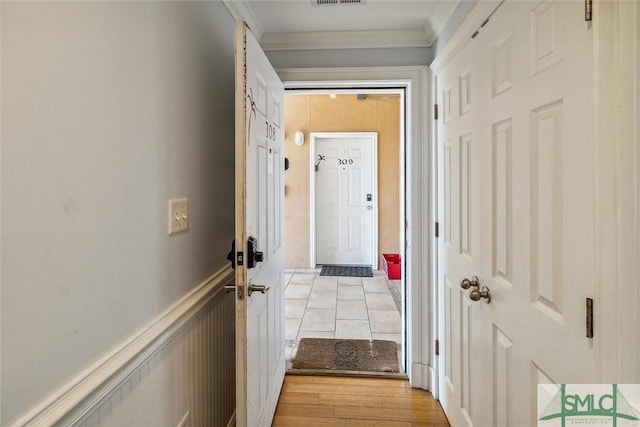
<point x="254" y="256"/>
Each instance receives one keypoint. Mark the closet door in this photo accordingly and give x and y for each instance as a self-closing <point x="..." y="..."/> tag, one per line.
<point x="517" y="175"/>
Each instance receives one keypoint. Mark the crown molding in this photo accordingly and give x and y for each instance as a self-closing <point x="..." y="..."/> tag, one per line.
<point x="344" y="40"/>
<point x="430" y="35"/>
<point x="241" y="11"/>
<point x="463" y="35"/>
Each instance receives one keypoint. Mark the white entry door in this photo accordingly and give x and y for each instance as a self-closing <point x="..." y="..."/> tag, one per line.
<point x="260" y="362"/>
<point x="345" y="198"/>
<point x="516" y="163"/>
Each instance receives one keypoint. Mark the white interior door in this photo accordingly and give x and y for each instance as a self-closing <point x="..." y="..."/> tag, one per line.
<point x="516" y="162"/>
<point x="259" y="219"/>
<point x="345" y="198"/>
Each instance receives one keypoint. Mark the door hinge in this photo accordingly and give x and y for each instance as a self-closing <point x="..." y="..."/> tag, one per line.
<point x="589" y="317"/>
<point x="435" y="111"/>
<point x="437" y="229"/>
<point x="588" y="7"/>
<point x="437" y="347"/>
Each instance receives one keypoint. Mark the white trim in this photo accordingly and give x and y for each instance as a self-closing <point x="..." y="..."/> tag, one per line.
<point x="87" y="391"/>
<point x="463" y="34"/>
<point x="364" y="39"/>
<point x="402" y="223"/>
<point x="421" y="310"/>
<point x="311" y="40"/>
<point x="421" y="372"/>
<point x="369" y="136"/>
<point x="617" y="212"/>
<point x="1" y="192"/>
<point x="435" y="203"/>
<point x="350" y="77"/>
<point x="312" y="201"/>
<point x="241" y="11"/>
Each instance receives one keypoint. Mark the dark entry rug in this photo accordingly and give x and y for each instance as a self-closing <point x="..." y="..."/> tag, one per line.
<point x="346" y="270"/>
<point x="347" y="355"/>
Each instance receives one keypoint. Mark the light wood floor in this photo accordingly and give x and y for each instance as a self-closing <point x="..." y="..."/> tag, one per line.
<point x="354" y="401"/>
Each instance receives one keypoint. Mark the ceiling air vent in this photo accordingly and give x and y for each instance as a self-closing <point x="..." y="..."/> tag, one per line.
<point x="335" y="2"/>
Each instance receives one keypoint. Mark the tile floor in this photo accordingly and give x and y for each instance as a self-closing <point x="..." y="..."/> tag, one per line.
<point x="340" y="307"/>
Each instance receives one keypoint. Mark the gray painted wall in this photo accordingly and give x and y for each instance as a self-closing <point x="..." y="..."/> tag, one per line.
<point x="350" y="57"/>
<point x="108" y="110"/>
<point x="455" y="20"/>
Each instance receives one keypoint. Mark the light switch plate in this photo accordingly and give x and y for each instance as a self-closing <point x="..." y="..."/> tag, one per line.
<point x="178" y="215"/>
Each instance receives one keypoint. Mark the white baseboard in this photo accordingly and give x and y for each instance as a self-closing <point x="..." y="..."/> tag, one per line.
<point x="432" y="381"/>
<point x="420" y="376"/>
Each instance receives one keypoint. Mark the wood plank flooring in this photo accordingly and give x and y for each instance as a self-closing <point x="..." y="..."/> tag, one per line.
<point x="354" y="401"/>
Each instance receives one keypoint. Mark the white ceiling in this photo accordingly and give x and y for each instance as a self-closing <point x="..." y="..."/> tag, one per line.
<point x="297" y="24"/>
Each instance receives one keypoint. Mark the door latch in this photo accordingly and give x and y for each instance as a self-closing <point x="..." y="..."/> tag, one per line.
<point x="233" y="288"/>
<point x="257" y="288"/>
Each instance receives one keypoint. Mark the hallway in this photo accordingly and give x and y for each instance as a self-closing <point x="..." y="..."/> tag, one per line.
<point x="348" y="401"/>
<point x="341" y="307"/>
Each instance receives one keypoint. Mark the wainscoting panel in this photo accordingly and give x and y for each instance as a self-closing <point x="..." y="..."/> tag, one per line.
<point x="179" y="370"/>
<point x="192" y="376"/>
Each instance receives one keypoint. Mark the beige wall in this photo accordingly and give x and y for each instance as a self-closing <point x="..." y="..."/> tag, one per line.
<point x="320" y="113"/>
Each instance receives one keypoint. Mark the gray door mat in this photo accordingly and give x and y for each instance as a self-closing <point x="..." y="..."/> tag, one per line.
<point x="346" y="271"/>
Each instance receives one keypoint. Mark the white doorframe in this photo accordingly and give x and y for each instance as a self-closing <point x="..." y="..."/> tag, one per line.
<point x="373" y="137"/>
<point x="616" y="27"/>
<point x="420" y="311"/>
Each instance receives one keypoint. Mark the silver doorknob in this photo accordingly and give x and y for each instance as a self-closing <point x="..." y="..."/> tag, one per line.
<point x="369" y="207"/>
<point x="467" y="283"/>
<point x="478" y="294"/>
<point x="257" y="288"/>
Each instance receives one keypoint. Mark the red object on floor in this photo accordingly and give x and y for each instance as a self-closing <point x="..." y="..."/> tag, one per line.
<point x="392" y="266"/>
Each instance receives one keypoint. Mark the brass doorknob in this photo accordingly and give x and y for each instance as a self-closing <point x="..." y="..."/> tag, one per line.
<point x="478" y="294"/>
<point x="467" y="283"/>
